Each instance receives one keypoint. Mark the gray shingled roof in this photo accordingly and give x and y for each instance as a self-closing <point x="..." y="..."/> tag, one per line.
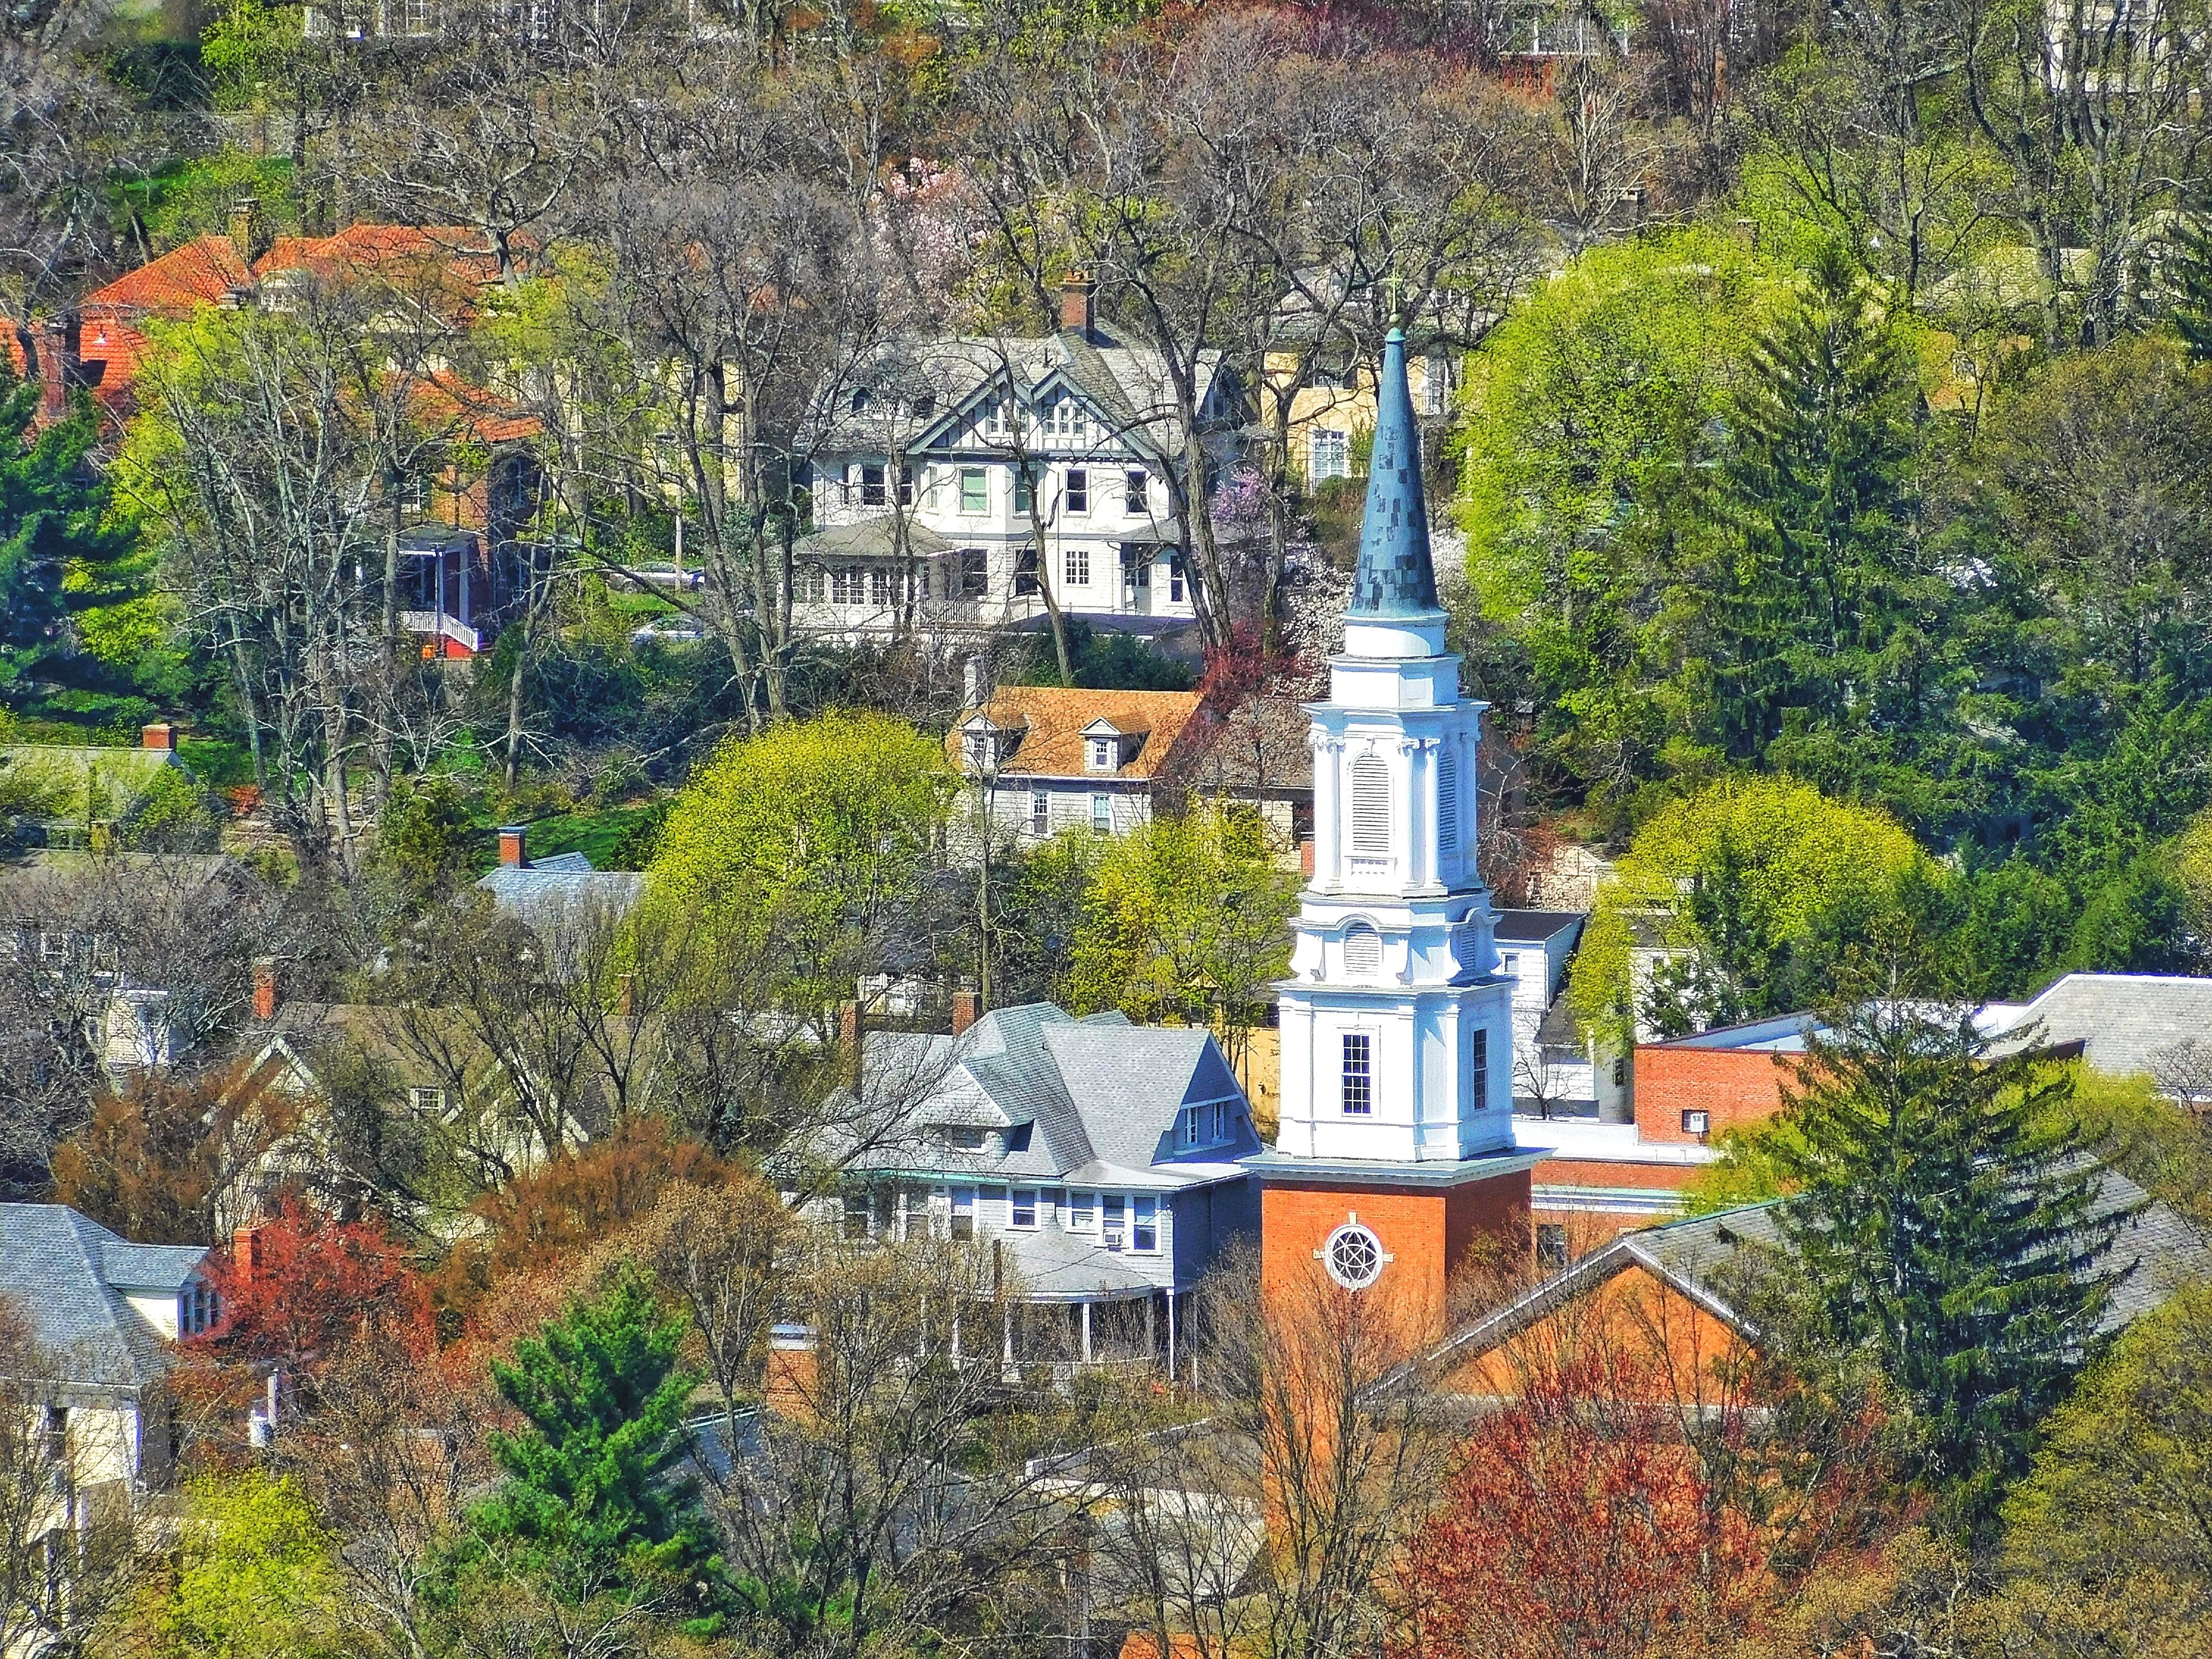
<point x="540" y="897"/>
<point x="68" y="1275"/>
<point x="1056" y="1265"/>
<point x="1092" y="1092"/>
<point x="1534" y="926"/>
<point x="2122" y="1020"/>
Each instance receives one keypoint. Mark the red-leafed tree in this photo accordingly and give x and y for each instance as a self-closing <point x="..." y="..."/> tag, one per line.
<point x="1630" y="1497"/>
<point x="301" y="1287"/>
<point x="1580" y="1526"/>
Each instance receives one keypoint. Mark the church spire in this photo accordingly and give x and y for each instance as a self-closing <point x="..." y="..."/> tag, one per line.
<point x="1395" y="577"/>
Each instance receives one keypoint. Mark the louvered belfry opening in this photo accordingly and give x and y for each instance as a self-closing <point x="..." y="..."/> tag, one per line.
<point x="1362" y="949"/>
<point x="1371" y="807"/>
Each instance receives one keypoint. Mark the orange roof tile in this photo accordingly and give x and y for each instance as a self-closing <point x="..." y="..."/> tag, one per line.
<point x="1051" y="720"/>
<point x="197" y="274"/>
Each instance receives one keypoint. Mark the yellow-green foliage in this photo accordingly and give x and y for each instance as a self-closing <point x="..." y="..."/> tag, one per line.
<point x="1747" y="1171"/>
<point x="254" y="1577"/>
<point x="1184" y="919"/>
<point x="1788" y="852"/>
<point x="1591" y="392"/>
<point x="2192" y="869"/>
<point x="2161" y="1148"/>
<point x="2114" y="1517"/>
<point x="799" y="837"/>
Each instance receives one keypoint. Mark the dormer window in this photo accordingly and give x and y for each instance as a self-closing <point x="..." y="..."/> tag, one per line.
<point x="198" y="1308"/>
<point x="966" y="1137"/>
<point x="1105" y="754"/>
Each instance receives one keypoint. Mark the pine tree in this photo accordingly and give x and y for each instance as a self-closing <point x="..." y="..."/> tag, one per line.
<point x="591" y="1500"/>
<point x="2192" y="274"/>
<point x="1816" y="493"/>
<point x="1951" y="1222"/>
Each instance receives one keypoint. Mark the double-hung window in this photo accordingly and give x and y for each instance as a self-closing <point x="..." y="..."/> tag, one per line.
<point x="1024" y="1213"/>
<point x="1075" y="566"/>
<point x="1078" y="497"/>
<point x="872" y="485"/>
<point x="974" y="490"/>
<point x="1359" y="1074"/>
<point x="1040" y="812"/>
<point x="1143" y="1224"/>
<point x="1082" y="1213"/>
<point x="964" y="1212"/>
<point x="1025" y="489"/>
<point x="1329" y="454"/>
<point x="1102" y="814"/>
<point x="1112" y="1232"/>
<point x="1137" y="493"/>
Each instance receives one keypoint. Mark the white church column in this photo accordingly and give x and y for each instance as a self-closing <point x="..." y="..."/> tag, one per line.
<point x="1421" y="813"/>
<point x="1329" y="759"/>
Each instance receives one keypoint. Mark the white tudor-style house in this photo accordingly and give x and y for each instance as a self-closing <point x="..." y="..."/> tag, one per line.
<point x="940" y="460"/>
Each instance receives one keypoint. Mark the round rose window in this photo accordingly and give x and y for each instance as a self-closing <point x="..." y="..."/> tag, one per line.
<point x="1353" y="1256"/>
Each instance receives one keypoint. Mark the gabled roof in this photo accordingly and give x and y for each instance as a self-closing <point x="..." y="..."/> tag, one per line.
<point x="69" y="1276"/>
<point x="1127" y="387"/>
<point x="1090" y="1100"/>
<point x="2156" y="1250"/>
<point x="203" y="271"/>
<point x="1054" y="721"/>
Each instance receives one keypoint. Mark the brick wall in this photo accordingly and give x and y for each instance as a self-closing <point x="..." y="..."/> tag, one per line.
<point x="1735" y="1087"/>
<point x="1428" y="1234"/>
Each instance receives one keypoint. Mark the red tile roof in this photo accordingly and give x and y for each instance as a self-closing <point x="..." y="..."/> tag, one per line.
<point x="197" y="274"/>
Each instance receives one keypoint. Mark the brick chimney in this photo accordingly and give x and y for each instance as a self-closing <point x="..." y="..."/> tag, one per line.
<point x="514" y="852"/>
<point x="265" y="988"/>
<point x="967" y="1009"/>
<point x="625" y="994"/>
<point x="246" y="1255"/>
<point x="160" y="736"/>
<point x="848" y="1039"/>
<point x="60" y="365"/>
<point x="1079" y="296"/>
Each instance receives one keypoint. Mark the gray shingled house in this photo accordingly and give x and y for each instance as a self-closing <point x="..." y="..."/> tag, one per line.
<point x="1099" y="1157"/>
<point x="102" y="1315"/>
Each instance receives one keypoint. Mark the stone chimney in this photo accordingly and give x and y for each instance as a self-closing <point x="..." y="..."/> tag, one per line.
<point x="265" y="995"/>
<point x="160" y="736"/>
<point x="1078" y="304"/>
<point x="967" y="1009"/>
<point x="60" y="365"/>
<point x="249" y="229"/>
<point x="513" y="853"/>
<point x="848" y="1038"/>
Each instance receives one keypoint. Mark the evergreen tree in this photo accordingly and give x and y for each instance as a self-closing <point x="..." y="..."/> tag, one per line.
<point x="53" y="539"/>
<point x="2192" y="274"/>
<point x="1951" y="1223"/>
<point x="1818" y="610"/>
<point x="591" y="1502"/>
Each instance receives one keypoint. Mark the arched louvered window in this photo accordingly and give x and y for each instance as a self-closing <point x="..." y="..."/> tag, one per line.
<point x="1371" y="807"/>
<point x="1363" y="949"/>
<point x="1448" y="839"/>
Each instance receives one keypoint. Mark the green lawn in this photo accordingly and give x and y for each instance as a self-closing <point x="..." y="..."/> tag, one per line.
<point x="600" y="836"/>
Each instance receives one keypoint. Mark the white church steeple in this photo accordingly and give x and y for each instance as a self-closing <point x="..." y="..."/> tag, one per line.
<point x="1396" y="1029"/>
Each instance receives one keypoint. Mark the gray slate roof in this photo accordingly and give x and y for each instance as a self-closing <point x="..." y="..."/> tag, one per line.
<point x="2123" y="1021"/>
<point x="69" y="1274"/>
<point x="1071" y="1099"/>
